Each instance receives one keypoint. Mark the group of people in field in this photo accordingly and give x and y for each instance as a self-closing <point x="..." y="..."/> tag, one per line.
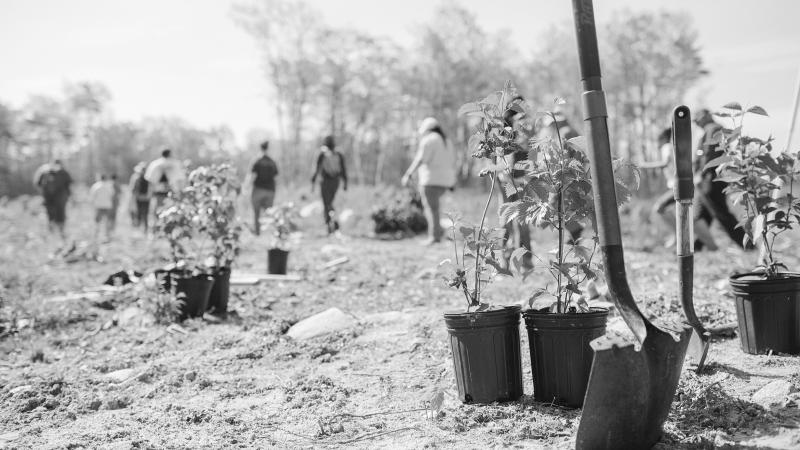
<point x="435" y="165"/>
<point x="151" y="184"/>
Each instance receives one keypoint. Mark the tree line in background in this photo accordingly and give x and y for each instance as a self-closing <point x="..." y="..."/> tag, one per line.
<point x="370" y="92"/>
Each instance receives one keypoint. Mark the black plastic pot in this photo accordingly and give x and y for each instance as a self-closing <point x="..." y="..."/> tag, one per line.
<point x="768" y="312"/>
<point x="220" y="291"/>
<point x="276" y="261"/>
<point x="195" y="289"/>
<point x="486" y="354"/>
<point x="561" y="357"/>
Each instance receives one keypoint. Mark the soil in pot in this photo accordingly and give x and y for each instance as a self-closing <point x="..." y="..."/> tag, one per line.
<point x="561" y="357"/>
<point x="220" y="291"/>
<point x="195" y="289"/>
<point x="276" y="261"/>
<point x="486" y="354"/>
<point x="768" y="312"/>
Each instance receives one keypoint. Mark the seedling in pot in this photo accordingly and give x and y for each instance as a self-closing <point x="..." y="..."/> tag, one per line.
<point x="761" y="181"/>
<point x="557" y="196"/>
<point x="281" y="224"/>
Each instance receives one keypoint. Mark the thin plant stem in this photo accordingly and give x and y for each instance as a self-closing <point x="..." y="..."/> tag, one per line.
<point x="478" y="243"/>
<point x="559" y="306"/>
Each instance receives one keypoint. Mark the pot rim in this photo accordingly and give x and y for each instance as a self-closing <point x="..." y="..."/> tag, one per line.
<point x="735" y="279"/>
<point x="593" y="312"/>
<point x="500" y="311"/>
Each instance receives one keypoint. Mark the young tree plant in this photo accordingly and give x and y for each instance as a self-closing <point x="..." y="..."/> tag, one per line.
<point x="761" y="181"/>
<point x="281" y="223"/>
<point x="557" y="195"/>
<point x="214" y="190"/>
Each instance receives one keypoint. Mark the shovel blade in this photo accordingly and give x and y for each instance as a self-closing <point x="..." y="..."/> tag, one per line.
<point x="630" y="392"/>
<point x="698" y="349"/>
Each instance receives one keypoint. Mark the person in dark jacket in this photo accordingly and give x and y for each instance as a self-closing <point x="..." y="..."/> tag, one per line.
<point x="264" y="171"/>
<point x="140" y="196"/>
<point x="330" y="169"/>
<point x="713" y="201"/>
<point x="54" y="183"/>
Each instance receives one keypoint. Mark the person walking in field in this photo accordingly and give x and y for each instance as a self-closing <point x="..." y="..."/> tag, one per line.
<point x="436" y="162"/>
<point x="513" y="119"/>
<point x="661" y="207"/>
<point x="713" y="201"/>
<point x="559" y="127"/>
<point x="164" y="175"/>
<point x="101" y="197"/>
<point x="140" y="196"/>
<point x="330" y="169"/>
<point x="263" y="173"/>
<point x="54" y="183"/>
<point x="115" y="200"/>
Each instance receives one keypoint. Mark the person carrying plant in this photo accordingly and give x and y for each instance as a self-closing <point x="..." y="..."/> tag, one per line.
<point x="140" y="196"/>
<point x="556" y="126"/>
<point x="54" y="183"/>
<point x="509" y="173"/>
<point x="330" y="169"/>
<point x="101" y="197"/>
<point x="165" y="175"/>
<point x="667" y="199"/>
<point x="436" y="162"/>
<point x="263" y="172"/>
<point x="713" y="201"/>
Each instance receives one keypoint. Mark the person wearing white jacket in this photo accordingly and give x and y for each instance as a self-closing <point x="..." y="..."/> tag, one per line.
<point x="436" y="162"/>
<point x="165" y="175"/>
<point x="101" y="196"/>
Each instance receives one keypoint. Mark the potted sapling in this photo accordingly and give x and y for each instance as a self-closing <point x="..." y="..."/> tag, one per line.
<point x="761" y="181"/>
<point x="281" y="224"/>
<point x="556" y="195"/>
<point x="484" y="339"/>
<point x="216" y="188"/>
<point x="177" y="223"/>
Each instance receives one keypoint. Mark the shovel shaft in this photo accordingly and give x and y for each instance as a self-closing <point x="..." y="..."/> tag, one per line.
<point x="599" y="152"/>
<point x="629" y="392"/>
<point x="684" y="229"/>
<point x="682" y="143"/>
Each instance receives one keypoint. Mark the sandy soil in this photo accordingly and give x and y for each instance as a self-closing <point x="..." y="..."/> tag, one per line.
<point x="83" y="373"/>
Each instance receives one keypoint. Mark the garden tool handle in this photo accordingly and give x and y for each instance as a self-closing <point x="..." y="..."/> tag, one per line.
<point x="684" y="220"/>
<point x="603" y="186"/>
<point x="682" y="144"/>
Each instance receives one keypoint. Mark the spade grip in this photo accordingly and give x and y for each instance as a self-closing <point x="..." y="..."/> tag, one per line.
<point x="682" y="140"/>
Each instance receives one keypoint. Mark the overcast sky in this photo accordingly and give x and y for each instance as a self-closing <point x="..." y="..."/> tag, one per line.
<point x="187" y="58"/>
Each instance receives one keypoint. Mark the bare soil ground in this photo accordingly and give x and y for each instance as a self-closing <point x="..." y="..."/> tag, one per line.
<point x="84" y="373"/>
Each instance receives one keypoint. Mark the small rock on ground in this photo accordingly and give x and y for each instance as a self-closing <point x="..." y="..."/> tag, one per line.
<point x="773" y="394"/>
<point x="326" y="322"/>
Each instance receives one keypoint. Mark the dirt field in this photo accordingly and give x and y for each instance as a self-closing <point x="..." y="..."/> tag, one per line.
<point x="94" y="373"/>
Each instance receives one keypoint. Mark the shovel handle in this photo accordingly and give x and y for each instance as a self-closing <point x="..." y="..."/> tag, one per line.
<point x="599" y="150"/>
<point x="682" y="143"/>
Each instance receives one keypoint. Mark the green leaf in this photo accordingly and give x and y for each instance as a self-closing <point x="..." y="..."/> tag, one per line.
<point x="470" y="109"/>
<point x="717" y="161"/>
<point x="757" y="110"/>
<point x="466" y="232"/>
<point x="577" y="143"/>
<point x="500" y="269"/>
<point x="733" y="105"/>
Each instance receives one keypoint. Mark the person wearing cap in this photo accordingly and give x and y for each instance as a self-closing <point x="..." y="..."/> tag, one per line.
<point x="165" y="175"/>
<point x="330" y="169"/>
<point x="555" y="127"/>
<point x="264" y="171"/>
<point x="512" y="174"/>
<point x="713" y="201"/>
<point x="436" y="163"/>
